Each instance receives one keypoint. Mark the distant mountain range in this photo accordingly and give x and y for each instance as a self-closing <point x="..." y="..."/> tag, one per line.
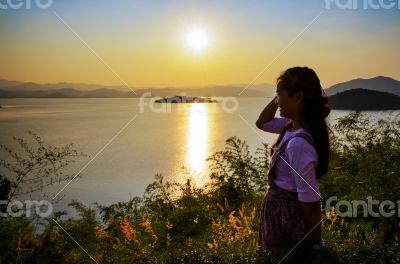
<point x="379" y="83"/>
<point x="350" y="94"/>
<point x="64" y="93"/>
<point x="378" y="93"/>
<point x="16" y="89"/>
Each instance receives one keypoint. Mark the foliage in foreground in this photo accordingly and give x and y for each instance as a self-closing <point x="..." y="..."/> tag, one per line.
<point x="181" y="223"/>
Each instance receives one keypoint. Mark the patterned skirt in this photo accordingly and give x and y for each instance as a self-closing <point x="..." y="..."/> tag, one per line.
<point x="282" y="224"/>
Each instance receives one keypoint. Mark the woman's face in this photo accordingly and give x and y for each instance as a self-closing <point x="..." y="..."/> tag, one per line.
<point x="289" y="106"/>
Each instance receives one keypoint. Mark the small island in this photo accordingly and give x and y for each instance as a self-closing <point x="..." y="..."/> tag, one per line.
<point x="186" y="99"/>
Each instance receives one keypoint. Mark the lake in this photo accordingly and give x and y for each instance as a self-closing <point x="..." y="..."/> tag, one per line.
<point x="129" y="145"/>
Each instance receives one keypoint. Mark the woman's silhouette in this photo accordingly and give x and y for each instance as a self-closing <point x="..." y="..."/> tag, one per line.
<point x="291" y="208"/>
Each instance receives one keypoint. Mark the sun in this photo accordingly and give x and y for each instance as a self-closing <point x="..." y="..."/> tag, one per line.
<point x="197" y="39"/>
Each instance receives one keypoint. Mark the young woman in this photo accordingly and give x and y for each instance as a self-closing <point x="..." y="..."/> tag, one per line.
<point x="291" y="208"/>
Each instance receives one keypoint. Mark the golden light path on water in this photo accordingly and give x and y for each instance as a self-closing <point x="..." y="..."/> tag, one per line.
<point x="197" y="142"/>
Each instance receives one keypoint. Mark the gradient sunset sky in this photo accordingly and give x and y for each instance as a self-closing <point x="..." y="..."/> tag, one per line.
<point x="143" y="42"/>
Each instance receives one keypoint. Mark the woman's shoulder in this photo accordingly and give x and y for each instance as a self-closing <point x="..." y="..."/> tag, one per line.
<point x="301" y="139"/>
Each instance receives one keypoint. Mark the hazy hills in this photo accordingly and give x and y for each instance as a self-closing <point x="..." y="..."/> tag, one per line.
<point x="63" y="93"/>
<point x="8" y="85"/>
<point x="15" y="89"/>
<point x="379" y="83"/>
<point x="375" y="93"/>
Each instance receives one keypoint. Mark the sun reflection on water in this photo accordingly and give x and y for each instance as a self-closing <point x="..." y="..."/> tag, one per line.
<point x="197" y="144"/>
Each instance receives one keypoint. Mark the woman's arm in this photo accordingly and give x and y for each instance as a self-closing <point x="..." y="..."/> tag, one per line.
<point x="267" y="114"/>
<point x="312" y="213"/>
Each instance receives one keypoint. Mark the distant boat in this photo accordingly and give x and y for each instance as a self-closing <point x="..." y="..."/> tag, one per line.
<point x="186" y="99"/>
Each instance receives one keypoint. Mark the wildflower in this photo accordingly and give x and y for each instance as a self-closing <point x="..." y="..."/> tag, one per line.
<point x="168" y="240"/>
<point x="146" y="224"/>
<point x="213" y="245"/>
<point x="220" y="207"/>
<point x="100" y="231"/>
<point x="128" y="231"/>
<point x="169" y="225"/>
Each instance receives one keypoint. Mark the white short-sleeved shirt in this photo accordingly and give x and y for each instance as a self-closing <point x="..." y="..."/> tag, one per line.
<point x="296" y="169"/>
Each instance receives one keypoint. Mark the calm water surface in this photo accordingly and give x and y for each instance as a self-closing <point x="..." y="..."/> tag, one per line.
<point x="155" y="141"/>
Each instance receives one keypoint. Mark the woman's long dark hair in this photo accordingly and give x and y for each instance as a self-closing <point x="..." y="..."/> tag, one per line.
<point x="305" y="79"/>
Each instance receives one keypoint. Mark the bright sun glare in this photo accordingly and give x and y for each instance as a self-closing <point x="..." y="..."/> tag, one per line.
<point x="197" y="39"/>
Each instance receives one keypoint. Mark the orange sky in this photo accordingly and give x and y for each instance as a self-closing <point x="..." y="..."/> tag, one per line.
<point x="144" y="44"/>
